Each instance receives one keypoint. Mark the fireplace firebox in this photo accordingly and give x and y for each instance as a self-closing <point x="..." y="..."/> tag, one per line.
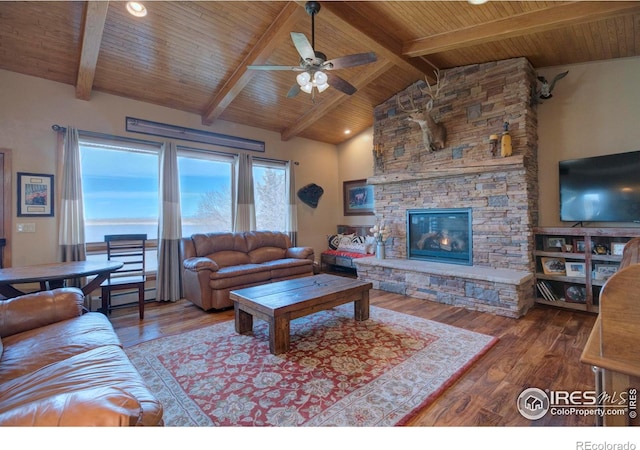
<point x="440" y="235"/>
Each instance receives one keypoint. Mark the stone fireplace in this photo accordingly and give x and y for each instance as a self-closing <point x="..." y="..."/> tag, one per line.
<point x="501" y="194"/>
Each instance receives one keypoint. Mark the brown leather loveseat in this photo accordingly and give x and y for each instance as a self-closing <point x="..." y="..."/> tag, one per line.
<point x="216" y="263"/>
<point x="59" y="367"/>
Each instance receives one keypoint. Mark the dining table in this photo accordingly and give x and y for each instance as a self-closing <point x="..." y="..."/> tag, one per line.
<point x="92" y="273"/>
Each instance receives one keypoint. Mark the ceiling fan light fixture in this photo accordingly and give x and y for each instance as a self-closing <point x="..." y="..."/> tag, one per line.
<point x="306" y="88"/>
<point x="303" y="78"/>
<point x="320" y="78"/>
<point x="322" y="87"/>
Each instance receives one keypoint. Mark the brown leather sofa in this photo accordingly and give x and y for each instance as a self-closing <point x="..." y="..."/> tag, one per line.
<point x="216" y="263"/>
<point x="59" y="367"/>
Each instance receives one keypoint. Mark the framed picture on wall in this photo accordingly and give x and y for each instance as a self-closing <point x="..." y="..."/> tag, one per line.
<point x="35" y="195"/>
<point x="358" y="198"/>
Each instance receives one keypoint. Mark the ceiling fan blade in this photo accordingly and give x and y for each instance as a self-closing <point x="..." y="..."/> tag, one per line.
<point x="340" y="84"/>
<point x="295" y="90"/>
<point x="349" y="61"/>
<point x="303" y="46"/>
<point x="296" y="68"/>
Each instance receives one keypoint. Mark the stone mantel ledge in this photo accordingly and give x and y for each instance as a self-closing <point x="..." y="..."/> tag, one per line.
<point x="448" y="170"/>
<point x="481" y="273"/>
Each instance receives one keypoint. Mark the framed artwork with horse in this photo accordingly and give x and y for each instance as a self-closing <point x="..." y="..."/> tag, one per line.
<point x="358" y="198"/>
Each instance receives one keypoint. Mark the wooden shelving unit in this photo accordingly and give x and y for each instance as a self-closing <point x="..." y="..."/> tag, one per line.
<point x="597" y="251"/>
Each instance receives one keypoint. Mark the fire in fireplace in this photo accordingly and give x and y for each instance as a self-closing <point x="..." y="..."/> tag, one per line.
<point x="441" y="235"/>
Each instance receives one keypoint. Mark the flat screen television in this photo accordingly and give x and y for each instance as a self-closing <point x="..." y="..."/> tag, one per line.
<point x="601" y="188"/>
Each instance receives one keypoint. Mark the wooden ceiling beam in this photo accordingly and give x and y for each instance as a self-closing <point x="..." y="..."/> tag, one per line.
<point x="94" y="18"/>
<point x="552" y="17"/>
<point x="277" y="32"/>
<point x="346" y="17"/>
<point x="314" y="114"/>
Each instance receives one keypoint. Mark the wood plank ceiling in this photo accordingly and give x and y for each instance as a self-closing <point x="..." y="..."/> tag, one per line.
<point x="192" y="55"/>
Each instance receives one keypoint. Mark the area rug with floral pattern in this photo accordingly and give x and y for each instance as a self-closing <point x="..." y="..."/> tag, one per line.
<point x="338" y="372"/>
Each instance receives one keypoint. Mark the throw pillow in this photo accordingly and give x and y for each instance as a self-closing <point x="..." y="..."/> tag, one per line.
<point x="334" y="240"/>
<point x="347" y="245"/>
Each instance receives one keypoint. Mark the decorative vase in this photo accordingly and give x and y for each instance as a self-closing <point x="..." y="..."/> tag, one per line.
<point x="380" y="250"/>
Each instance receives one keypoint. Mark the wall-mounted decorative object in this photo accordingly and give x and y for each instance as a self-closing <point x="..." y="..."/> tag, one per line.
<point x="505" y="142"/>
<point x="310" y="194"/>
<point x="358" y="198"/>
<point x="35" y="195"/>
<point x="543" y="93"/>
<point x="192" y="135"/>
<point x="434" y="134"/>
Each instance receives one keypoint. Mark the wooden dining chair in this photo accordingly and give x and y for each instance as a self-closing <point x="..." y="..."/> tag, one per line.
<point x="130" y="250"/>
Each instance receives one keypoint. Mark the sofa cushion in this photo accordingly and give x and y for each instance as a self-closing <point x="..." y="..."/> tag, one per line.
<point x="230" y="277"/>
<point x="106" y="407"/>
<point x="98" y="368"/>
<point x="264" y="254"/>
<point x="228" y="258"/>
<point x="288" y="267"/>
<point x="28" y="351"/>
<point x="210" y="243"/>
<point x="260" y="239"/>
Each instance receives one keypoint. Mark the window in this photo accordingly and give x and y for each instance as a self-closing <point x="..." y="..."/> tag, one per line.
<point x="206" y="181"/>
<point x="119" y="187"/>
<point x="270" y="194"/>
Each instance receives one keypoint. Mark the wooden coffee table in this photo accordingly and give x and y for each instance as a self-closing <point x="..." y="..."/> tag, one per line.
<point x="280" y="302"/>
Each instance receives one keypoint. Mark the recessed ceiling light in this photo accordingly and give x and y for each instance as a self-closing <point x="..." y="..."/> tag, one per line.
<point x="136" y="9"/>
<point x="477" y="2"/>
<point x="347" y="131"/>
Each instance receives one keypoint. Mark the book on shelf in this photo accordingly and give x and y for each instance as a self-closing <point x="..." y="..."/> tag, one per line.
<point x="547" y="291"/>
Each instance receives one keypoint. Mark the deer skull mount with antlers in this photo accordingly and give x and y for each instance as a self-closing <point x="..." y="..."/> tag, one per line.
<point x="434" y="134"/>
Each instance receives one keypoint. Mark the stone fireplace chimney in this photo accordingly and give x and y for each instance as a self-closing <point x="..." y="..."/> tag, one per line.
<point x="502" y="193"/>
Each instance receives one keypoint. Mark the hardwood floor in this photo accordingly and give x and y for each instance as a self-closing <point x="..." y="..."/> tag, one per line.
<point x="539" y="350"/>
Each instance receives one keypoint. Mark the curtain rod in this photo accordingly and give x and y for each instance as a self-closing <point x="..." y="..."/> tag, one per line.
<point x="94" y="134"/>
<point x="60" y="128"/>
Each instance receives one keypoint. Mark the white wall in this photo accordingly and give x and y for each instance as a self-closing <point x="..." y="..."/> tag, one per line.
<point x="594" y="111"/>
<point x="30" y="106"/>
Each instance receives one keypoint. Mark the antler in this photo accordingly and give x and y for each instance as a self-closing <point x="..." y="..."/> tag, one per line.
<point x="414" y="108"/>
<point x="433" y="96"/>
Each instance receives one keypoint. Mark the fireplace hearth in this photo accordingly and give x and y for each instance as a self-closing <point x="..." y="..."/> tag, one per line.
<point x="440" y="235"/>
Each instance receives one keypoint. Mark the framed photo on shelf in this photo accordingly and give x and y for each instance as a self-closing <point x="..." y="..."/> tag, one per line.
<point x="556" y="243"/>
<point x="575" y="269"/>
<point x="35" y="195"/>
<point x="575" y="294"/>
<point x="604" y="271"/>
<point x="358" y="198"/>
<point x="579" y="245"/>
<point x="617" y="248"/>
<point x="553" y="266"/>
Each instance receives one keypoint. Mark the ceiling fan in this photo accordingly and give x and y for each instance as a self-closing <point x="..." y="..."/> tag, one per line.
<point x="314" y="67"/>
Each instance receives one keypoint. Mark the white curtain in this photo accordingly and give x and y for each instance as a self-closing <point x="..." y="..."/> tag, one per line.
<point x="292" y="213"/>
<point x="245" y="208"/>
<point x="71" y="239"/>
<point x="169" y="278"/>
